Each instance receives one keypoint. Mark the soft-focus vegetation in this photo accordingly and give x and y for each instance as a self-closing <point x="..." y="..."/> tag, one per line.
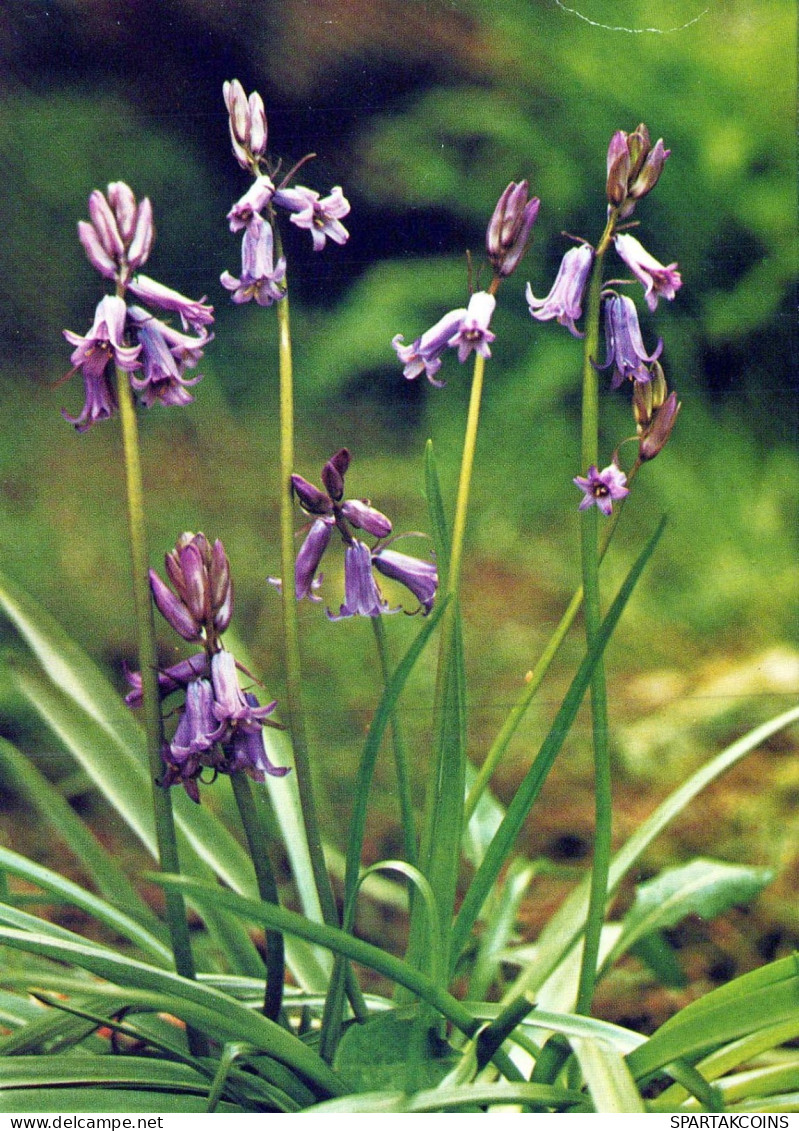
<point x="423" y="112"/>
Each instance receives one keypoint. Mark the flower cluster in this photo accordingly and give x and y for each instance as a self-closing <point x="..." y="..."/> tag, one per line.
<point x="220" y="728"/>
<point x="127" y="338"/>
<point x="262" y="278"/>
<point x="331" y="511"/>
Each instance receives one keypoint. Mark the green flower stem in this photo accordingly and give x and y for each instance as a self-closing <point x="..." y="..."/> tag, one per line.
<point x="589" y="543"/>
<point x="536" y="677"/>
<point x="400" y="751"/>
<point x="166" y="839"/>
<point x="296" y="717"/>
<point x="440" y="849"/>
<point x="258" y="844"/>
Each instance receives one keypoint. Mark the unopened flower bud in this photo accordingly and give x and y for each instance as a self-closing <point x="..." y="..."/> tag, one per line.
<point x="333" y="474"/>
<point x="247" y="120"/>
<point x="365" y="517"/>
<point x="311" y="498"/>
<point x="258" y="128"/>
<point x="634" y="166"/>
<point x="509" y="230"/>
<point x="200" y="574"/>
<point x="656" y="436"/>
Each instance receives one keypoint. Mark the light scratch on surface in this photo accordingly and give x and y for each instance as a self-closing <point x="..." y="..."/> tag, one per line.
<point x="633" y="30"/>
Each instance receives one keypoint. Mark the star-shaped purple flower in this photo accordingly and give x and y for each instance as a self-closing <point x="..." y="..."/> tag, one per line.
<point x="601" y="488"/>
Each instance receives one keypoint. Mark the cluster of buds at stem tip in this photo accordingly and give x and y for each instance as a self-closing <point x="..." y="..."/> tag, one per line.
<point x="655" y="411"/>
<point x="510" y="228"/>
<point x="220" y="726"/>
<point x="118" y="235"/>
<point x="201" y="605"/>
<point x="634" y="168"/>
<point x="247" y="121"/>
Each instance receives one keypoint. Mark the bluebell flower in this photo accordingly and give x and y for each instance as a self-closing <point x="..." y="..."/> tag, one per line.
<point x="565" y="300"/>
<point x="624" y="344"/>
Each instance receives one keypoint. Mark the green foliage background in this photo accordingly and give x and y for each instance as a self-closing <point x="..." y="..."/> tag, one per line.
<point x="423" y="112"/>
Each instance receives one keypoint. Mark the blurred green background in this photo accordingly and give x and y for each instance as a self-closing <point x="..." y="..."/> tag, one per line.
<point x="424" y="111"/>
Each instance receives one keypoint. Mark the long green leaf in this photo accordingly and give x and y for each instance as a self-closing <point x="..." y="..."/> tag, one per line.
<point x="759" y="1000"/>
<point x="97" y="1099"/>
<point x="468" y="1096"/>
<point x="73" y="893"/>
<point x="336" y="940"/>
<point x="528" y="791"/>
<point x="563" y="928"/>
<point x="215" y="1013"/>
<point x="51" y="807"/>
<point x="608" y="1078"/>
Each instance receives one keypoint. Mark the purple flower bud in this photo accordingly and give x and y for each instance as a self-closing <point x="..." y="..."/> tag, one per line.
<point x="510" y="227"/>
<point x="474" y="333"/>
<point x="565" y="300"/>
<point x="120" y="235"/>
<point x="173" y="610"/>
<point x="634" y="168"/>
<point x="248" y="750"/>
<point x="419" y="576"/>
<point x="321" y="217"/>
<point x="248" y="139"/>
<point x="258" y="128"/>
<point x="312" y="500"/>
<point x="221" y="587"/>
<point x="123" y="203"/>
<point x="193" y="315"/>
<point x="655" y="437"/>
<point x="625" y="347"/>
<point x="143" y="235"/>
<point x="260" y="278"/>
<point x="251" y="204"/>
<point x="170" y="679"/>
<point x="105" y="224"/>
<point x="600" y="488"/>
<point x="360" y="514"/>
<point x="333" y="474"/>
<point x="361" y="594"/>
<point x="658" y="281"/>
<point x="309" y="557"/>
<point x="95" y="252"/>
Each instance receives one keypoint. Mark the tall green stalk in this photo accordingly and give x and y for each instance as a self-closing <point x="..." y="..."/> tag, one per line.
<point x="296" y="717"/>
<point x="258" y="844"/>
<point x="166" y="839"/>
<point x="590" y="558"/>
<point x="441" y="837"/>
<point x="400" y="751"/>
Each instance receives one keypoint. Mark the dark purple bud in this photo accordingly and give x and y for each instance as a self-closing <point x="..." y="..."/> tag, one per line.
<point x="618" y="168"/>
<point x="656" y="436"/>
<point x="333" y="474"/>
<point x="419" y="576"/>
<point x="311" y="498"/>
<point x="365" y="517"/>
<point x="196" y="593"/>
<point x="510" y="227"/>
<point x="221" y="587"/>
<point x="173" y="610"/>
<point x="309" y="558"/>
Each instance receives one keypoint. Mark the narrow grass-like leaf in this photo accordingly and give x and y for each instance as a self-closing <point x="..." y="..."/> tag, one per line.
<point x="110" y="1071"/>
<point x="474" y="1097"/>
<point x="73" y="893"/>
<point x="61" y="1101"/>
<point x="564" y="927"/>
<point x="703" y="887"/>
<point x="336" y="940"/>
<point x="758" y="1000"/>
<point x="528" y="791"/>
<point x="608" y="1078"/>
<point x="500" y="926"/>
<point x="221" y="1017"/>
<point x="50" y="806"/>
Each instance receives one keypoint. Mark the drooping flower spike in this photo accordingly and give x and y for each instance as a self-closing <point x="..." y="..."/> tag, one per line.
<point x="331" y="511"/>
<point x="624" y="344"/>
<point x="658" y="281"/>
<point x="465" y="329"/>
<point x="565" y="300"/>
<point x="601" y="488"/>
